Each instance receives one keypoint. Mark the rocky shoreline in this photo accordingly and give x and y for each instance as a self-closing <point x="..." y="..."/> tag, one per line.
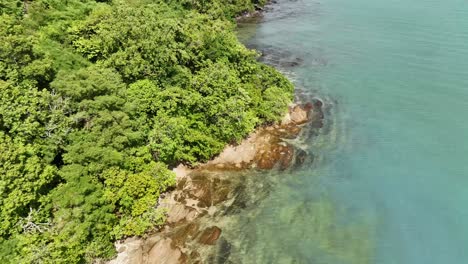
<point x="203" y="195"/>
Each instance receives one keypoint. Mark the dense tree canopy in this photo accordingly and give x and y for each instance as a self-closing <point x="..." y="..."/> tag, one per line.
<point x="99" y="99"/>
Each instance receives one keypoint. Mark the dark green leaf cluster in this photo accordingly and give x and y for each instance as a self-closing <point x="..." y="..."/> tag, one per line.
<point x="219" y="8"/>
<point x="100" y="99"/>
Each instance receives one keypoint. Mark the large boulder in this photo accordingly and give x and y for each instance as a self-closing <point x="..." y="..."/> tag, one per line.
<point x="129" y="251"/>
<point x="299" y="114"/>
<point x="164" y="253"/>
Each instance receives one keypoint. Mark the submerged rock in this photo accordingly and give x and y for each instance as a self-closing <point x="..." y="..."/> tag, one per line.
<point x="223" y="251"/>
<point x="210" y="235"/>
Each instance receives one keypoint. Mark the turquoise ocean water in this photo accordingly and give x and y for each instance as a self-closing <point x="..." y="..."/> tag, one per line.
<point x="389" y="183"/>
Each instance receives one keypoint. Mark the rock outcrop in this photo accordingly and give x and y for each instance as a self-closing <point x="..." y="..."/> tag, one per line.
<point x="215" y="189"/>
<point x="267" y="147"/>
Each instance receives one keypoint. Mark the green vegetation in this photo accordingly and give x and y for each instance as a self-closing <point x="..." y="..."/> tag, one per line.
<point x="99" y="99"/>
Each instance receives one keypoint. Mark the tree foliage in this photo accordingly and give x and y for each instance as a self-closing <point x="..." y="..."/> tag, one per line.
<point x="100" y="99"/>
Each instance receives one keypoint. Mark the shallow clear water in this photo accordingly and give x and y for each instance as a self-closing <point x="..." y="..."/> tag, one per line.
<point x="389" y="183"/>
